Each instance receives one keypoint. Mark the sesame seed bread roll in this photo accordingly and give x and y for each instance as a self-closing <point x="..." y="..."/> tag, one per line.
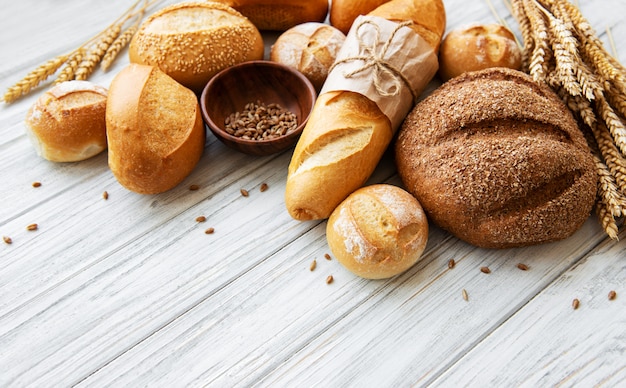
<point x="155" y="130"/>
<point x="67" y="123"/>
<point x="497" y="160"/>
<point x="379" y="231"/>
<point x="310" y="48"/>
<point x="477" y="47"/>
<point x="347" y="132"/>
<point x="280" y="15"/>
<point x="193" y="41"/>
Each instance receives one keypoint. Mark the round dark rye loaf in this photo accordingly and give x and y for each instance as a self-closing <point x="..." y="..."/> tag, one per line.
<point x="497" y="160"/>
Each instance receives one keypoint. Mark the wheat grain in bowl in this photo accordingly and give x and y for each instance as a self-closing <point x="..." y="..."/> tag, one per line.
<point x="258" y="107"/>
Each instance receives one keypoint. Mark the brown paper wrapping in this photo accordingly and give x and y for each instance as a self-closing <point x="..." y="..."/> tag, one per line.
<point x="385" y="61"/>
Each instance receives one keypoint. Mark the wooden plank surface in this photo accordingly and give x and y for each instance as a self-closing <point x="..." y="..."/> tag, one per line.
<point x="130" y="291"/>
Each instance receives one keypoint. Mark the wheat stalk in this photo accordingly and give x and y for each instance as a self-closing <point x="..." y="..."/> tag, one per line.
<point x="96" y="53"/>
<point x="566" y="54"/>
<point x="34" y="78"/>
<point x="71" y="64"/>
<point x="117" y="46"/>
<point x="90" y="53"/>
<point x="517" y="10"/>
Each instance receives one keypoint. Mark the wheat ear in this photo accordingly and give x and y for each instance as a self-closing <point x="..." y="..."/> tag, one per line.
<point x="34" y="78"/>
<point x="96" y="53"/>
<point x="68" y="71"/>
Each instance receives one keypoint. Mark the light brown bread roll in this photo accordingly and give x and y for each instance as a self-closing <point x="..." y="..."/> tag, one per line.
<point x="193" y="41"/>
<point x="347" y="133"/>
<point x="379" y="231"/>
<point x="280" y="15"/>
<point x="497" y="160"/>
<point x="343" y="12"/>
<point x="477" y="47"/>
<point x="67" y="123"/>
<point x="310" y="48"/>
<point x="155" y="130"/>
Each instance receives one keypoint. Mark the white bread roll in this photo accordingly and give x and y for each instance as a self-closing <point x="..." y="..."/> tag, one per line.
<point x="310" y="48"/>
<point x="379" y="231"/>
<point x="280" y="15"/>
<point x="67" y="123"/>
<point x="155" y="130"/>
<point x="193" y="41"/>
<point x="477" y="47"/>
<point x="347" y="133"/>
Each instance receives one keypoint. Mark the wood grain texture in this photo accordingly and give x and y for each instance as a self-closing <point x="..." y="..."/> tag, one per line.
<point x="131" y="291"/>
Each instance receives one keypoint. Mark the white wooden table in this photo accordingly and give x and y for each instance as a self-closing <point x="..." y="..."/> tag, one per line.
<point x="130" y="291"/>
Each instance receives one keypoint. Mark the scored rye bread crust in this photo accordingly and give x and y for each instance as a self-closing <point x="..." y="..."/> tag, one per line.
<point x="497" y="160"/>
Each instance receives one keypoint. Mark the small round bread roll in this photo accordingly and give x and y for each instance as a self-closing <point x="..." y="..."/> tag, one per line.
<point x="379" y="231"/>
<point x="67" y="123"/>
<point x="498" y="160"/>
<point x="310" y="48"/>
<point x="155" y="130"/>
<point x="478" y="47"/>
<point x="193" y="41"/>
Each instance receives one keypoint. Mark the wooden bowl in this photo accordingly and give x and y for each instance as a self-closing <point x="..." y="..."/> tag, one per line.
<point x="265" y="81"/>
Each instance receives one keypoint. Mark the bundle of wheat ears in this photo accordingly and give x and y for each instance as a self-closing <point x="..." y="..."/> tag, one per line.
<point x="561" y="49"/>
<point x="81" y="62"/>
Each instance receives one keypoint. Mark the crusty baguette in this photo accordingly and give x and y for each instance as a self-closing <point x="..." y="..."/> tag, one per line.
<point x="344" y="138"/>
<point x="280" y="15"/>
<point x="155" y="130"/>
<point x="333" y="157"/>
<point x="343" y="12"/>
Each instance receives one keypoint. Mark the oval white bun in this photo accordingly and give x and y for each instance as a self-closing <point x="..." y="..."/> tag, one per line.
<point x="67" y="123"/>
<point x="379" y="231"/>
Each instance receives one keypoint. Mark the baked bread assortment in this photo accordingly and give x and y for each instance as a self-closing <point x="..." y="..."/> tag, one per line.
<point x="67" y="123"/>
<point x="193" y="41"/>
<point x="347" y="133"/>
<point x="155" y="129"/>
<point x="490" y="156"/>
<point x="477" y="47"/>
<point x="310" y="48"/>
<point x="497" y="160"/>
<point x="280" y="15"/>
<point x="379" y="231"/>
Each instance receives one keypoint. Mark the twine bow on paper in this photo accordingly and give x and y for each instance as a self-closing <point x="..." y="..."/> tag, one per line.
<point x="373" y="59"/>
